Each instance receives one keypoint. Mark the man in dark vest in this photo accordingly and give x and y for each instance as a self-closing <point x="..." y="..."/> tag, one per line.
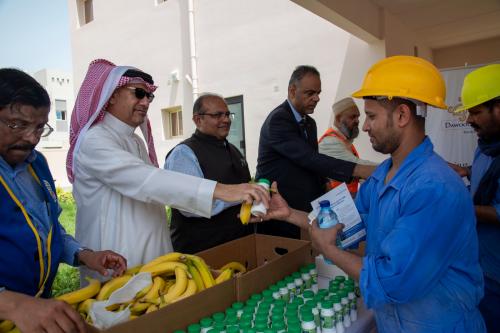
<point x="32" y="240"/>
<point x="209" y="155"/>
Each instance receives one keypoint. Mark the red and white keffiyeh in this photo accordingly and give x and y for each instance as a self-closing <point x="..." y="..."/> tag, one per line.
<point x="102" y="79"/>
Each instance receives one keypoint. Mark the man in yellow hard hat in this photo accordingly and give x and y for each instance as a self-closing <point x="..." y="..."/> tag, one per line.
<point x="421" y="271"/>
<point x="481" y="97"/>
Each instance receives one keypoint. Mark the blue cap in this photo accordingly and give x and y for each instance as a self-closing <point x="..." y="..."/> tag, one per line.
<point x="324" y="203"/>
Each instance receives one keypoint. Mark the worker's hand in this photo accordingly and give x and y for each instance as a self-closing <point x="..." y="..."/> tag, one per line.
<point x="101" y="261"/>
<point x="462" y="172"/>
<point x="33" y="315"/>
<point x="242" y="193"/>
<point x="324" y="240"/>
<point x="278" y="207"/>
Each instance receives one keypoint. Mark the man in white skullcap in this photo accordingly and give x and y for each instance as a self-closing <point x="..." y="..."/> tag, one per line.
<point x="338" y="139"/>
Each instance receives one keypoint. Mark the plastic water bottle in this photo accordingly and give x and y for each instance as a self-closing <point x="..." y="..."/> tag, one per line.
<point x="327" y="219"/>
<point x="258" y="209"/>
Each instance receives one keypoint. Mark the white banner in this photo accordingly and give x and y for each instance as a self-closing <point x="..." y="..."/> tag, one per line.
<point x="452" y="137"/>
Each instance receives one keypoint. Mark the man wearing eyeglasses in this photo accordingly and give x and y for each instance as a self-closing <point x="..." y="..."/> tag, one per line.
<point x="32" y="240"/>
<point x="209" y="155"/>
<point x="119" y="190"/>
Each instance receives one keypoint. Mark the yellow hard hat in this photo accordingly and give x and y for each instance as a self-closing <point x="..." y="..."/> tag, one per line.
<point x="480" y="86"/>
<point x="406" y="77"/>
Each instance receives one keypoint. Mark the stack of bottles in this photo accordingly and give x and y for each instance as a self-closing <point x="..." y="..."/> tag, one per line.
<point x="294" y="304"/>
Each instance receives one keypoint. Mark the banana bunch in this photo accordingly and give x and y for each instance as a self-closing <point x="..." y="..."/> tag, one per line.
<point x="175" y="277"/>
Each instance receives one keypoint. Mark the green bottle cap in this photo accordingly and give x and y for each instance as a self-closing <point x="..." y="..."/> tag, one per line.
<point x="233" y="329"/>
<point x="252" y="303"/>
<point x="276" y="317"/>
<point x="308" y="294"/>
<point x="322" y="292"/>
<point x="279" y="303"/>
<point x="269" y="330"/>
<point x="296" y="275"/>
<point x="206" y="322"/>
<point x="298" y="300"/>
<point x="249" y="330"/>
<point x="307" y="317"/>
<point x="326" y="304"/>
<point x="304" y="270"/>
<point x="335" y="298"/>
<point x="264" y="180"/>
<point x="213" y="330"/>
<point x="342" y="293"/>
<point x="281" y="284"/>
<point x="218" y="317"/>
<point x="278" y="325"/>
<point x="237" y="305"/>
<point x="293" y="306"/>
<point x="249" y="309"/>
<point x="294" y="329"/>
<point x="267" y="293"/>
<point x="246" y="317"/>
<point x="194" y="328"/>
<point x="291" y="321"/>
<point x="232" y="320"/>
<point x="311" y="266"/>
<point x="245" y="324"/>
<point x="289" y="279"/>
<point x="179" y="331"/>
<point x="220" y="326"/>
<point x="260" y="326"/>
<point x="256" y="297"/>
<point x="231" y="312"/>
<point x="340" y="278"/>
<point x="273" y="288"/>
<point x="333" y="288"/>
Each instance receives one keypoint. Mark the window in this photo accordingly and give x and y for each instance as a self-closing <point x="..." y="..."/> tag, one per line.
<point x="61" y="116"/>
<point x="85" y="10"/>
<point x="172" y="122"/>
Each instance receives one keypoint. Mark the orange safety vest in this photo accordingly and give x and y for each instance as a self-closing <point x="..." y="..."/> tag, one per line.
<point x="352" y="186"/>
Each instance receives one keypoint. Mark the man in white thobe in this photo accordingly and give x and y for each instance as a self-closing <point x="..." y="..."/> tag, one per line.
<point x="119" y="190"/>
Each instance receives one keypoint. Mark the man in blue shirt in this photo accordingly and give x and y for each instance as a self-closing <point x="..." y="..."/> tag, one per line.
<point x="481" y="97"/>
<point x="32" y="240"/>
<point x="421" y="271"/>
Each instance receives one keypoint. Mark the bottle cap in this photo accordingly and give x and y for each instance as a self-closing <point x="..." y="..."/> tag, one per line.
<point x="324" y="203"/>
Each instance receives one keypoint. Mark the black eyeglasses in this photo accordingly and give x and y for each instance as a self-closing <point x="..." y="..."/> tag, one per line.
<point x="141" y="93"/>
<point x="219" y="115"/>
<point x="42" y="131"/>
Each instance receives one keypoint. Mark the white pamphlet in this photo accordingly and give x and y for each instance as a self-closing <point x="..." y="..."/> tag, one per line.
<point x="342" y="204"/>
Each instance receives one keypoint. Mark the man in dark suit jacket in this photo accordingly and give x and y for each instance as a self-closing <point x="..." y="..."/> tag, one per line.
<point x="288" y="151"/>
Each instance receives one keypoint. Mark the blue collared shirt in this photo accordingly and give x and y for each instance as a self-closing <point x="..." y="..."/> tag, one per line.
<point x="31" y="196"/>
<point x="421" y="271"/>
<point x="480" y="165"/>
<point x="298" y="116"/>
<point x="182" y="159"/>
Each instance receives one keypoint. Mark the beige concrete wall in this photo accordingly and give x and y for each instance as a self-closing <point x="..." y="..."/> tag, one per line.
<point x="358" y="59"/>
<point x="480" y="52"/>
<point x="242" y="50"/>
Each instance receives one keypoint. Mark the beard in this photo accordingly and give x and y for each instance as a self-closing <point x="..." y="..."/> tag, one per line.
<point x="350" y="134"/>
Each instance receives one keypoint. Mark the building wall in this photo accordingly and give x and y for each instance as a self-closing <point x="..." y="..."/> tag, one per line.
<point x="242" y="50"/>
<point x="476" y="53"/>
<point x="59" y="86"/>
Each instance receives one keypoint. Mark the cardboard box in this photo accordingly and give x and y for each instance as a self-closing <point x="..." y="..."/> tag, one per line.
<point x="267" y="258"/>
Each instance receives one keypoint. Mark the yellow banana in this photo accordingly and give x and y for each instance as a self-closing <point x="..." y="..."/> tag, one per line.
<point x="6" y="325"/>
<point x="236" y="266"/>
<point x="156" y="289"/>
<point x="14" y="330"/>
<point x="190" y="290"/>
<point x="168" y="283"/>
<point x="206" y="275"/>
<point x="195" y="274"/>
<point x="112" y="285"/>
<point x="80" y="295"/>
<point x="144" y="291"/>
<point x="152" y="308"/>
<point x="181" y="281"/>
<point x="172" y="256"/>
<point x="133" y="317"/>
<point x="134" y="270"/>
<point x="245" y="213"/>
<point x="162" y="268"/>
<point x="84" y="306"/>
<point x="224" y="276"/>
<point x="138" y="307"/>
